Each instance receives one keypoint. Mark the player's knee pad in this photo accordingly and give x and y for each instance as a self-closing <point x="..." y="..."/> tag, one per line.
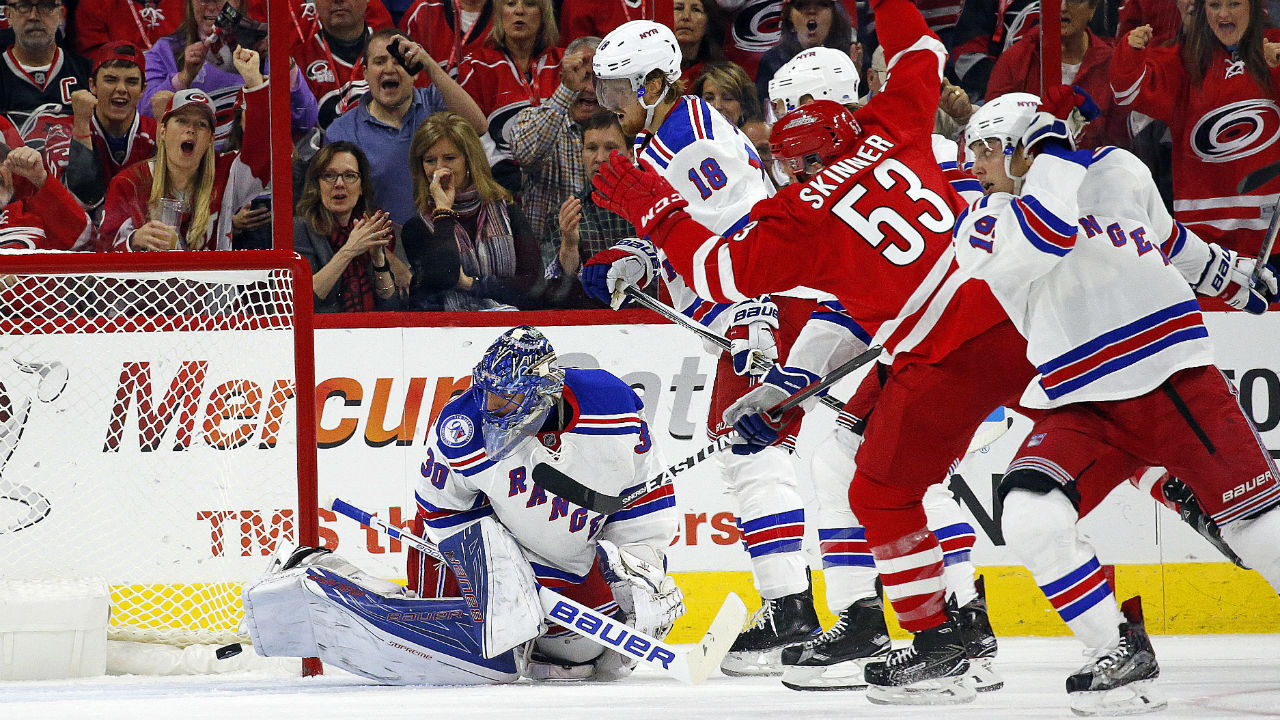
<point x="1257" y="541"/>
<point x="767" y="475"/>
<point x="1040" y="527"/>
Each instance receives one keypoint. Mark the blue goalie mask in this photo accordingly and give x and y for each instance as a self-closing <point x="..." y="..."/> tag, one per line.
<point x="517" y="383"/>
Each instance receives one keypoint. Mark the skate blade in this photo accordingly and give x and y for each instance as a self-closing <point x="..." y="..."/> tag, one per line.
<point x="953" y="690"/>
<point x="848" y="675"/>
<point x="982" y="676"/>
<point x="752" y="664"/>
<point x="1136" y="698"/>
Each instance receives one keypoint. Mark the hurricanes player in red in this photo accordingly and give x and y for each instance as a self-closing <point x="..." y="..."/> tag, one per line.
<point x="870" y="222"/>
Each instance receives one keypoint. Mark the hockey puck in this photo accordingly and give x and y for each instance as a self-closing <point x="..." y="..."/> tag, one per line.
<point x="228" y="651"/>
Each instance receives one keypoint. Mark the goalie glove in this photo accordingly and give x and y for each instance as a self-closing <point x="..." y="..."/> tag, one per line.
<point x="751" y="344"/>
<point x="641" y="586"/>
<point x="606" y="275"/>
<point x="1229" y="277"/>
<point x="637" y="193"/>
<point x="755" y="430"/>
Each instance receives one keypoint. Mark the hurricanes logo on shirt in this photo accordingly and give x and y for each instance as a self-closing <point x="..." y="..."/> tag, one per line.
<point x="757" y="25"/>
<point x="457" y="430"/>
<point x="1236" y="130"/>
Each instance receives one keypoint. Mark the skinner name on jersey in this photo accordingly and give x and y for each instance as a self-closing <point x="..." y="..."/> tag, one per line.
<point x="821" y="186"/>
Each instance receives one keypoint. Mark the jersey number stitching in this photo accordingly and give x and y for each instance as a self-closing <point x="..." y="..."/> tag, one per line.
<point x="888" y="173"/>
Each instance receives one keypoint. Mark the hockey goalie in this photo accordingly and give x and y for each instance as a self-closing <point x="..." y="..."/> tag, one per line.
<point x="479" y="620"/>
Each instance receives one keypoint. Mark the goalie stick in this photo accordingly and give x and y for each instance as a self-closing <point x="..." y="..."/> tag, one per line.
<point x="690" y="666"/>
<point x="760" y="364"/>
<point x="549" y="478"/>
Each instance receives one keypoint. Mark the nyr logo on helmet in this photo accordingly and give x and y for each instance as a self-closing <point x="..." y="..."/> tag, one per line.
<point x="758" y="25"/>
<point x="457" y="430"/>
<point x="1236" y="130"/>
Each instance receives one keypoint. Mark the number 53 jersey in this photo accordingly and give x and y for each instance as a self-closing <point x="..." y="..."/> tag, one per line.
<point x="605" y="445"/>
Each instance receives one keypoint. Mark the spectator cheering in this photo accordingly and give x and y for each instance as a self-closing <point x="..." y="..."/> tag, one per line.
<point x="470" y="249"/>
<point x="349" y="249"/>
<point x="37" y="77"/>
<point x="582" y="228"/>
<point x="449" y="29"/>
<point x="519" y="67"/>
<point x="331" y="41"/>
<point x="547" y="142"/>
<point x="208" y="186"/>
<point x="185" y="60"/>
<point x="1217" y="93"/>
<point x="51" y="219"/>
<point x="137" y="22"/>
<point x="1086" y="59"/>
<point x="106" y="133"/>
<point x="806" y="24"/>
<point x="586" y="18"/>
<point x="382" y="125"/>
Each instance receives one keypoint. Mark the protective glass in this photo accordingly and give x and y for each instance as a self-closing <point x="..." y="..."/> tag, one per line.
<point x="614" y="93"/>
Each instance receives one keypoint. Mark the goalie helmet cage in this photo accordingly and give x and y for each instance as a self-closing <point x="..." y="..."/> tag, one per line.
<point x="152" y="431"/>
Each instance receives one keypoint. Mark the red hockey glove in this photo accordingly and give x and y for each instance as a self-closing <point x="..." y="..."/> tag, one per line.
<point x="640" y="195"/>
<point x="1062" y="99"/>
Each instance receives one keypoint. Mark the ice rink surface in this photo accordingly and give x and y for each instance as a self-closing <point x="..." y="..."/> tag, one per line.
<point x="1207" y="676"/>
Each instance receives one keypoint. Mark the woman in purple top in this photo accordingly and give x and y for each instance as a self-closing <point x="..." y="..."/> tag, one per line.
<point x="193" y="57"/>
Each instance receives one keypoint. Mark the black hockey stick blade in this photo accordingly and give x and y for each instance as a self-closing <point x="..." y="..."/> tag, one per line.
<point x="1258" y="178"/>
<point x="556" y="482"/>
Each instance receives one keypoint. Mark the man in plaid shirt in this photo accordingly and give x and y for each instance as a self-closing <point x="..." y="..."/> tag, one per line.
<point x="547" y="143"/>
<point x="581" y="228"/>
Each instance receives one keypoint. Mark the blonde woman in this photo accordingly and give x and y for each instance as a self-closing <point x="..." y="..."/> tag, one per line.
<point x="209" y="186"/>
<point x="726" y="87"/>
<point x="471" y="247"/>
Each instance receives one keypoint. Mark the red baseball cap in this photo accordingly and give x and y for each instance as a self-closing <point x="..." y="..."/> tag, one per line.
<point x="119" y="51"/>
<point x="191" y="97"/>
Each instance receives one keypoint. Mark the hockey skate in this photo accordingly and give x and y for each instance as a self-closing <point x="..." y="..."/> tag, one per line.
<point x="835" y="659"/>
<point x="979" y="640"/>
<point x="1118" y="681"/>
<point x="780" y="622"/>
<point x="932" y="671"/>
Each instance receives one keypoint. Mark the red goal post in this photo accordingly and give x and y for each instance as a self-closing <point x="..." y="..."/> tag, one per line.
<point x="157" y="428"/>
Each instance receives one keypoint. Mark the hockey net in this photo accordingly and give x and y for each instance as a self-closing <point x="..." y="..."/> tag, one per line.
<point x="149" y="429"/>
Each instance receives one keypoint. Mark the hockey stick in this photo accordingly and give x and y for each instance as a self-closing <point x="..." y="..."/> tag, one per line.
<point x="690" y="666"/>
<point x="1258" y="178"/>
<point x="1268" y="243"/>
<point x="575" y="492"/>
<point x="760" y="364"/>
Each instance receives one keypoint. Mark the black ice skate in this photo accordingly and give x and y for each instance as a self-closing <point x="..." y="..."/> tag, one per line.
<point x="835" y="659"/>
<point x="932" y="671"/>
<point x="787" y="620"/>
<point x="979" y="639"/>
<point x="1118" y="680"/>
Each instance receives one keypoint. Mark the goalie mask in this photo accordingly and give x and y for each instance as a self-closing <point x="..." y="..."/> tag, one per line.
<point x="808" y="138"/>
<point x="517" y="383"/>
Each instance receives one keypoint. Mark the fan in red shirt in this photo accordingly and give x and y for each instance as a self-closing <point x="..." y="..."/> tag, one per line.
<point x="449" y="30"/>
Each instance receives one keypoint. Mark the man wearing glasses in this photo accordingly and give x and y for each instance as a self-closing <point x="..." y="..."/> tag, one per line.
<point x="37" y="77"/>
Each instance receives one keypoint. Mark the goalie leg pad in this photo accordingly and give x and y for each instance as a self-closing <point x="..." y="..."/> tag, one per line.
<point x="312" y="611"/>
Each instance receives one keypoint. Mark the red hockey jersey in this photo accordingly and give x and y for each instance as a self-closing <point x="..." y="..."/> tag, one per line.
<point x="580" y="18"/>
<point x="877" y="224"/>
<point x="432" y="23"/>
<point x="140" y="144"/>
<point x="1222" y="130"/>
<point x="141" y="23"/>
<point x="502" y="91"/>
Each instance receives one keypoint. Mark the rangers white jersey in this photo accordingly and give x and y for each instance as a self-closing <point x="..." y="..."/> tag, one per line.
<point x="716" y="168"/>
<point x="1094" y="273"/>
<point x="606" y="446"/>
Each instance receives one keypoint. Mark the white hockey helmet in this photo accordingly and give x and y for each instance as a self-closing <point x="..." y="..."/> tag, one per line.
<point x="1004" y="119"/>
<point x="629" y="53"/>
<point x="821" y="73"/>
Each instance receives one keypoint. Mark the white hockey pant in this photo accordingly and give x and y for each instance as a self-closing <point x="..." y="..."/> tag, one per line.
<point x="767" y="500"/>
<point x="1257" y="542"/>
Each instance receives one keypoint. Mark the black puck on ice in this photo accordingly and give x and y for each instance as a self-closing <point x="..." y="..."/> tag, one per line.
<point x="227" y="651"/>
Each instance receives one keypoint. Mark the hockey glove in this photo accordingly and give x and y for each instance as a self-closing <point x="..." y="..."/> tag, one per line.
<point x="750" y="336"/>
<point x="755" y="430"/>
<point x="641" y="586"/>
<point x="1228" y="276"/>
<point x="1049" y="135"/>
<point x="1061" y="100"/>
<point x="606" y="275"/>
<point x="641" y="196"/>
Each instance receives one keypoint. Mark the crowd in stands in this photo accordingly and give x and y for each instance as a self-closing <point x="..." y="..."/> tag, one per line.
<point x="444" y="148"/>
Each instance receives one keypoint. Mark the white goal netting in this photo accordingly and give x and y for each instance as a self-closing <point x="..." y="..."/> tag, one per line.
<point x="148" y="436"/>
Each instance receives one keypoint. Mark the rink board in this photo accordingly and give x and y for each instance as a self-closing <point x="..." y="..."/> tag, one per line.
<point x="380" y="388"/>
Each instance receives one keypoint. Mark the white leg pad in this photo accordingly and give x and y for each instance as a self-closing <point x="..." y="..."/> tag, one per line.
<point x="1257" y="542"/>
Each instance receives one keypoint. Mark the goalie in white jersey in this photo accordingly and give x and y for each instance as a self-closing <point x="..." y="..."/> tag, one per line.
<point x="480" y="621"/>
<point x="1081" y="252"/>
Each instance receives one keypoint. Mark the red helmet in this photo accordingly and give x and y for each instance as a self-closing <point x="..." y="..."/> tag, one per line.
<point x="816" y="133"/>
